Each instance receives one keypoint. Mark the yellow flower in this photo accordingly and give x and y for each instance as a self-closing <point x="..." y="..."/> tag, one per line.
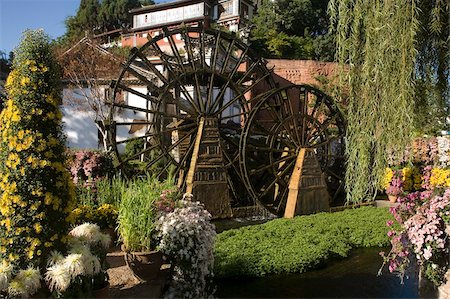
<point x="37" y="227"/>
<point x="407" y="173"/>
<point x="25" y="81"/>
<point x="48" y="198"/>
<point x="440" y="177"/>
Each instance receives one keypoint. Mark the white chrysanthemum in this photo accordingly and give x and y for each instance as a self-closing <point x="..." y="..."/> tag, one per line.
<point x="86" y="230"/>
<point x="17" y="288"/>
<point x="74" y="264"/>
<point x="104" y="240"/>
<point x="55" y="258"/>
<point x="58" y="277"/>
<point x="92" y="264"/>
<point x="80" y="248"/>
<point x="5" y="275"/>
<point x="30" y="279"/>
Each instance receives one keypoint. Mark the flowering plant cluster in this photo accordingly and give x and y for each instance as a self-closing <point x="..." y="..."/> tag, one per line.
<point x="411" y="179"/>
<point x="66" y="276"/>
<point x="87" y="167"/>
<point x="187" y="238"/>
<point x="167" y="200"/>
<point x="18" y="282"/>
<point x="104" y="216"/>
<point x="84" y="266"/>
<point x="398" y="181"/>
<point x="424" y="151"/>
<point x="36" y="192"/>
<point x="422" y="216"/>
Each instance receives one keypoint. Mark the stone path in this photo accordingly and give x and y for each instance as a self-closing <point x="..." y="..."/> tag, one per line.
<point x="123" y="284"/>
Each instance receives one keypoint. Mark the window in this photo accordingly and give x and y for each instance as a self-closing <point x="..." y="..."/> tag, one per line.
<point x="226" y="9"/>
<point x="244" y="11"/>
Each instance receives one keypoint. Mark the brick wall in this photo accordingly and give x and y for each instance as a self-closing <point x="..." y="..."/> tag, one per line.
<point x="301" y="71"/>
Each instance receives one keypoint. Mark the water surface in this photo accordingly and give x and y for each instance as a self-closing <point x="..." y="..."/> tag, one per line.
<point x="353" y="277"/>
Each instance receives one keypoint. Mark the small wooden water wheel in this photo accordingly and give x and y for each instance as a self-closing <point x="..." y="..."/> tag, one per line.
<point x="194" y="95"/>
<point x="291" y="145"/>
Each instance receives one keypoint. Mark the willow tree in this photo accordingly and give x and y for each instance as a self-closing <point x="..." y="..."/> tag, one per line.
<point x="379" y="41"/>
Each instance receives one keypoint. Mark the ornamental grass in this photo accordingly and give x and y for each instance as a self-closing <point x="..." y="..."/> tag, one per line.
<point x="36" y="189"/>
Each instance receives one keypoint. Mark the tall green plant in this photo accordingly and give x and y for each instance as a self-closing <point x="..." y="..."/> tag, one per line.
<point x="376" y="38"/>
<point x="137" y="212"/>
<point x="36" y="188"/>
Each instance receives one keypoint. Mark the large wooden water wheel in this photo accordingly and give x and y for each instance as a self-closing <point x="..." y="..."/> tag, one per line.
<point x="293" y="127"/>
<point x="190" y="94"/>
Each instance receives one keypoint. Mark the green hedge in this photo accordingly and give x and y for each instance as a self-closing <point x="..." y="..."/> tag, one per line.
<point x="299" y="244"/>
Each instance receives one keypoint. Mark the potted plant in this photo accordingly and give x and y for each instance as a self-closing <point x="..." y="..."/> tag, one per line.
<point x="393" y="184"/>
<point x="137" y="223"/>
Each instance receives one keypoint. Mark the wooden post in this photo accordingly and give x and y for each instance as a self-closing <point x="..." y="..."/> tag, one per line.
<point x="190" y="175"/>
<point x="307" y="187"/>
<point x="294" y="184"/>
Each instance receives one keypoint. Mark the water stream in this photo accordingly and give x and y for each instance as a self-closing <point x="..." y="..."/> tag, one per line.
<point x="353" y="277"/>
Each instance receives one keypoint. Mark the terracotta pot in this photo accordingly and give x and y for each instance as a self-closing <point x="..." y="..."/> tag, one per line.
<point x="392" y="198"/>
<point x="102" y="292"/>
<point x="145" y="265"/>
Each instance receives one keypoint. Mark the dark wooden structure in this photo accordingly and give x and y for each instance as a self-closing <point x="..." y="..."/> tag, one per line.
<point x="226" y="140"/>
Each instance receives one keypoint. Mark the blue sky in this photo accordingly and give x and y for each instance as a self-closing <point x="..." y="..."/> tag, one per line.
<point x="18" y="15"/>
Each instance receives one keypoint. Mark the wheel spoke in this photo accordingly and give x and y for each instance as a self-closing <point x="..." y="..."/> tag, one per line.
<point x="171" y="147"/>
<point x="277" y="179"/>
<point x="152" y="67"/>
<point x="146" y="150"/>
<point x="156" y="133"/>
<point x="139" y="94"/>
<point x="227" y="57"/>
<point x="174" y="49"/>
<point x="142" y="78"/>
<point x="283" y="159"/>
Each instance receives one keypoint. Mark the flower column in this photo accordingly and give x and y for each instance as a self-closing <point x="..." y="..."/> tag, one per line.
<point x="36" y="188"/>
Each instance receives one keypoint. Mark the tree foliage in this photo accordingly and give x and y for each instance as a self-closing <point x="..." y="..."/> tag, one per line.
<point x="36" y="187"/>
<point x="432" y="76"/>
<point x="293" y="29"/>
<point x="381" y="41"/>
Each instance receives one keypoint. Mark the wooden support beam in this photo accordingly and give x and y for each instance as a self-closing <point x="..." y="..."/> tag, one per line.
<point x="294" y="185"/>
<point x="193" y="165"/>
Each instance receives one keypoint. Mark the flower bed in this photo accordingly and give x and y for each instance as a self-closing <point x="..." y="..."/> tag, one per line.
<point x="423" y="217"/>
<point x="423" y="209"/>
<point x="424" y="165"/>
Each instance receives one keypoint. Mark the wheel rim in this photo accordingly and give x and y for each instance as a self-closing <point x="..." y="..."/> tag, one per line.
<point x="202" y="76"/>
<point x="285" y="120"/>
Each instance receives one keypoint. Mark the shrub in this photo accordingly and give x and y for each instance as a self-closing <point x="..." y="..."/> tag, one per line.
<point x="299" y="244"/>
<point x="37" y="190"/>
<point x="87" y="166"/>
<point x="105" y="216"/>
